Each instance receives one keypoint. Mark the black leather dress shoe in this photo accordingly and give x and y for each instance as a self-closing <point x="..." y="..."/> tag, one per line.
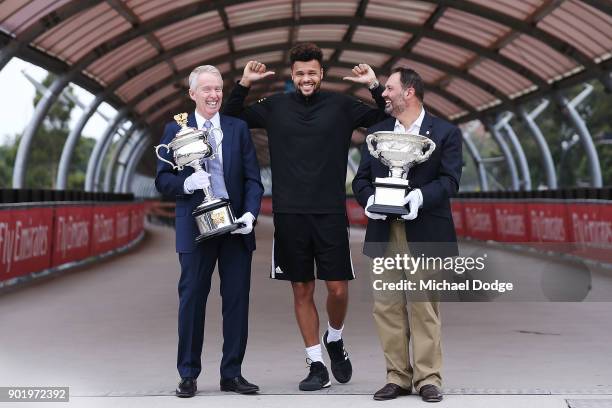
<point x="239" y="385"/>
<point x="187" y="388"/>
<point x="390" y="391"/>
<point x="430" y="393"/>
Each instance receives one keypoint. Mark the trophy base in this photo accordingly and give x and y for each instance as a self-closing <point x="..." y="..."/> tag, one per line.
<point x="389" y="196"/>
<point x="390" y="210"/>
<point x="214" y="218"/>
<point x="220" y="231"/>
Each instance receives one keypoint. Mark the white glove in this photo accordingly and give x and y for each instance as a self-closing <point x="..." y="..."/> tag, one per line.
<point x="198" y="180"/>
<point x="373" y="216"/>
<point x="247" y="219"/>
<point x="415" y="201"/>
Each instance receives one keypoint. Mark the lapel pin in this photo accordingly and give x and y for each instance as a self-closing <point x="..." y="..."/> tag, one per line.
<point x="427" y="132"/>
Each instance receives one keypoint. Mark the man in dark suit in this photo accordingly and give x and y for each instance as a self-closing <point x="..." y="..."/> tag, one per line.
<point x="234" y="175"/>
<point x="428" y="229"/>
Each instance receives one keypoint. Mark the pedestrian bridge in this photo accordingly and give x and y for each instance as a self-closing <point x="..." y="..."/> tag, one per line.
<point x="108" y="331"/>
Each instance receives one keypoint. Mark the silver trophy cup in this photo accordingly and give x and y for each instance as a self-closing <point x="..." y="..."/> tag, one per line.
<point x="214" y="216"/>
<point x="399" y="152"/>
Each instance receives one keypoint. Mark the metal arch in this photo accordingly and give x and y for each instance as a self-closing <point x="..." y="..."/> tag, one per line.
<point x="547" y="160"/>
<point x="180" y="77"/>
<point x="112" y="161"/>
<point x="42" y="108"/>
<point x="123" y="157"/>
<point x="107" y="144"/>
<point x="188" y="11"/>
<point x="198" y="42"/>
<point x="569" y="110"/>
<point x="45" y="23"/>
<point x="159" y="105"/>
<point x="523" y="27"/>
<point x="416" y="37"/>
<point x="602" y="6"/>
<point x="473" y="151"/>
<point x="505" y="150"/>
<point x="133" y="157"/>
<point x="72" y="140"/>
<point x="95" y="157"/>
<point x="348" y="36"/>
<point x="98" y="186"/>
<point x="518" y="148"/>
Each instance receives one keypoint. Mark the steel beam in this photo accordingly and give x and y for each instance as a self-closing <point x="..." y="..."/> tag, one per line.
<point x="72" y="140"/>
<point x="480" y="167"/>
<point x="42" y="108"/>
<point x="96" y="154"/>
<point x="110" y="167"/>
<point x="547" y="160"/>
<point x="504" y="123"/>
<point x="506" y="153"/>
<point x="134" y="158"/>
<point x="568" y="108"/>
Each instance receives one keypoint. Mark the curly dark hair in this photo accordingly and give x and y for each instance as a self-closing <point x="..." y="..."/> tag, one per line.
<point x="305" y="52"/>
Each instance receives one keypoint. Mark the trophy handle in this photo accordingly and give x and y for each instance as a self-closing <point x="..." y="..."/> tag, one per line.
<point x="371" y="148"/>
<point x="174" y="167"/>
<point x="430" y="150"/>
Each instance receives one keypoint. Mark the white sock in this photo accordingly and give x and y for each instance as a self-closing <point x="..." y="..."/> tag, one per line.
<point x="314" y="353"/>
<point x="333" y="334"/>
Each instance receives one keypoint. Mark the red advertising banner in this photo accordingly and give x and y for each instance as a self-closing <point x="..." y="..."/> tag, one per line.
<point x="591" y="227"/>
<point x="458" y="217"/>
<point x="548" y="222"/>
<point x="355" y="213"/>
<point x="72" y="232"/>
<point x="122" y="224"/>
<point x="137" y="214"/>
<point x="511" y="222"/>
<point x="25" y="241"/>
<point x="103" y="229"/>
<point x="479" y="220"/>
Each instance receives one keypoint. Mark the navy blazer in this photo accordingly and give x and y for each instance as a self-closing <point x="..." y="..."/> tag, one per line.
<point x="438" y="178"/>
<point x="240" y="171"/>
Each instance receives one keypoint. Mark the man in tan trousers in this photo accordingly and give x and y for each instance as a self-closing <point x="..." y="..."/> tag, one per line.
<point x="426" y="230"/>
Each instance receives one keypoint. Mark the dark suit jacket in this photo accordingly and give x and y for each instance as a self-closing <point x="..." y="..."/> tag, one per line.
<point x="240" y="171"/>
<point x="438" y="178"/>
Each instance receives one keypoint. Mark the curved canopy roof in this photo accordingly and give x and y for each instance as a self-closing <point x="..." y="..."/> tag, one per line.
<point x="476" y="56"/>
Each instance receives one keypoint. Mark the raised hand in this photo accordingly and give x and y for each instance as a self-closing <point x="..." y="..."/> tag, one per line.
<point x="254" y="71"/>
<point x="362" y="74"/>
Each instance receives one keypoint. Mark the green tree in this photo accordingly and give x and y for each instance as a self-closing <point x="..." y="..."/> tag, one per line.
<point x="46" y="149"/>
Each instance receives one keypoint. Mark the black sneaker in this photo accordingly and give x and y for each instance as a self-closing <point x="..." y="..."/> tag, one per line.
<point x="318" y="377"/>
<point x="341" y="366"/>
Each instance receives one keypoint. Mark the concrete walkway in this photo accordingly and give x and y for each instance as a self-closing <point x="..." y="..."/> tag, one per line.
<point x="109" y="333"/>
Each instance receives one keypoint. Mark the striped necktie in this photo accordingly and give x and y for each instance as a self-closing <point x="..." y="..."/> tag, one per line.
<point x="214" y="167"/>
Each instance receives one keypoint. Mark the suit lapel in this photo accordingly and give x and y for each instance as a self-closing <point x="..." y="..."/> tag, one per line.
<point x="426" y="126"/>
<point x="191" y="121"/>
<point x="227" y="127"/>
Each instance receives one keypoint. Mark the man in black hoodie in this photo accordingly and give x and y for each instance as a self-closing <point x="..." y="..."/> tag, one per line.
<point x="309" y="135"/>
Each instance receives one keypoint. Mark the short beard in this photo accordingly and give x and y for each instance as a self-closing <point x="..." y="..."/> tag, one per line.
<point x="397" y="109"/>
<point x="315" y="89"/>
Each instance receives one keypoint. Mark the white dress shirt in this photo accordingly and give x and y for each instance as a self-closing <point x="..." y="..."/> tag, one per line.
<point x="216" y="124"/>
<point x="413" y="129"/>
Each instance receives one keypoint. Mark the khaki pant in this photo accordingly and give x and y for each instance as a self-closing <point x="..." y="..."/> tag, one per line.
<point x="398" y="326"/>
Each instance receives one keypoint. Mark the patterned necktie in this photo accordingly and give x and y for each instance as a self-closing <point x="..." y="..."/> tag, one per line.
<point x="214" y="167"/>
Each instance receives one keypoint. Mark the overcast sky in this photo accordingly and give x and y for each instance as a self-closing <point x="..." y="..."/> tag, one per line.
<point x="16" y="106"/>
